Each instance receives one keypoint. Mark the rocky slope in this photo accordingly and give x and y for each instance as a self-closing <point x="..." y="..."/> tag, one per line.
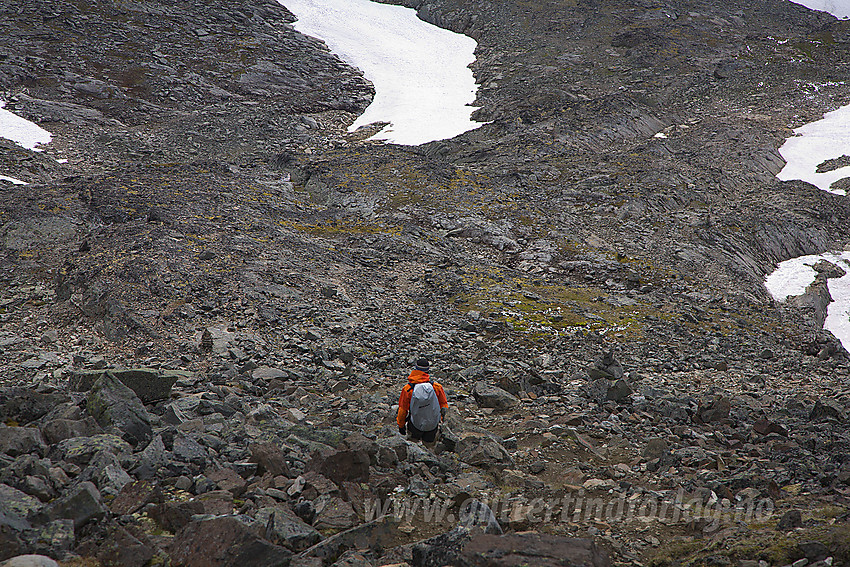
<point x="589" y="294"/>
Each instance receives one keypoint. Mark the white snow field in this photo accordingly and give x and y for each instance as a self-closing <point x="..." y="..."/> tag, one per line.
<point x="793" y="276"/>
<point x="23" y="132"/>
<point x="838" y="8"/>
<point x="815" y="143"/>
<point x="423" y="85"/>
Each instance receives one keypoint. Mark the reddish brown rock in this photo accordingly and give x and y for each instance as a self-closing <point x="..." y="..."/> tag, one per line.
<point x="225" y="542"/>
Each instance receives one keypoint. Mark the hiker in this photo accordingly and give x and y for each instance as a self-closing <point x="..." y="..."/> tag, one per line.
<point x="422" y="405"/>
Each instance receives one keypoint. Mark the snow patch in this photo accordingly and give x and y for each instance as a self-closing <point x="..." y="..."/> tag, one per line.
<point x="23" y="132"/>
<point x="423" y="85"/>
<point x="792" y="277"/>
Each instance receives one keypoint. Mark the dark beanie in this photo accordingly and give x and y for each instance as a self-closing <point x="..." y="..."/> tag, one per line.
<point x="422" y="364"/>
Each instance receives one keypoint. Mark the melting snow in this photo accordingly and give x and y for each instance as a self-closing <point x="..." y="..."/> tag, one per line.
<point x="423" y="84"/>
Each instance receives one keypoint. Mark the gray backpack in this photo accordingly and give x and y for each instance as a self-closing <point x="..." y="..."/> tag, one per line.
<point x="424" y="407"/>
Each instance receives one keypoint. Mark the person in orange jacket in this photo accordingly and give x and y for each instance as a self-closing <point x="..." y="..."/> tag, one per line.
<point x="422" y="405"/>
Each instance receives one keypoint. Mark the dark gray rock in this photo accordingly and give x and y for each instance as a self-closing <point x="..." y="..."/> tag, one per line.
<point x="15" y="441"/>
<point x="81" y="450"/>
<point x="489" y="396"/>
<point x="81" y="504"/>
<point x="483" y="451"/>
<point x="114" y="405"/>
<point x="287" y="529"/>
<point x="149" y="385"/>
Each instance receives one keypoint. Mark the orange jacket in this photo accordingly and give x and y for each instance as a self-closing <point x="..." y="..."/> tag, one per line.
<point x="417" y="377"/>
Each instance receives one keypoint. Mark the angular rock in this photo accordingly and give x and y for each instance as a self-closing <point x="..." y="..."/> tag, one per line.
<point x="15" y="441"/>
<point x="270" y="459"/>
<point x="287" y="529"/>
<point x="342" y="466"/>
<point x="825" y="410"/>
<point x="15" y="504"/>
<point x="81" y="450"/>
<point x="714" y="409"/>
<point x="334" y="513"/>
<point x="483" y="451"/>
<point x="134" y="496"/>
<point x="57" y="430"/>
<point x="82" y="504"/>
<point x="225" y="542"/>
<point x="123" y="548"/>
<point x="489" y="396"/>
<point x="620" y="391"/>
<point x="114" y="405"/>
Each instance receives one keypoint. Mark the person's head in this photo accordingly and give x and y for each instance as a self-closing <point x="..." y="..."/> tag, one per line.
<point x="422" y="364"/>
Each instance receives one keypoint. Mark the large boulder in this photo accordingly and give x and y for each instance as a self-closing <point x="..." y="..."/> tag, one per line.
<point x="16" y="441"/>
<point x="483" y="451"/>
<point x="115" y="406"/>
<point x="81" y="450"/>
<point x="340" y="466"/>
<point x="82" y="505"/>
<point x="149" y="384"/>
<point x="285" y="528"/>
<point x="461" y="549"/>
<point x="226" y="541"/>
<point x="489" y="396"/>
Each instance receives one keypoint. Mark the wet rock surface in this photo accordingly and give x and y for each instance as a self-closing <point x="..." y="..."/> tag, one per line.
<point x="208" y="311"/>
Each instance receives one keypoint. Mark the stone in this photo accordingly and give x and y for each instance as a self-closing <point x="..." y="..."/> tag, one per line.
<point x="655" y="448"/>
<point x="81" y="450"/>
<point x="57" y="430"/>
<point x="114" y="405"/>
<point x="225" y="541"/>
<point x="16" y="441"/>
<point x="187" y="450"/>
<point x="135" y="496"/>
<point x="81" y="504"/>
<point x="334" y="513"/>
<point x="713" y="409"/>
<point x="790" y="520"/>
<point x="766" y="427"/>
<point x="489" y="396"/>
<point x="483" y="451"/>
<point x="339" y="466"/>
<point x="826" y="410"/>
<point x="29" y="561"/>
<point x="125" y="549"/>
<point x="270" y="459"/>
<point x="620" y="391"/>
<point x="287" y="529"/>
<point x="149" y="385"/>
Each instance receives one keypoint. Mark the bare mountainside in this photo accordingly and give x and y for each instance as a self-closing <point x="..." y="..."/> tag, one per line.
<point x="209" y="310"/>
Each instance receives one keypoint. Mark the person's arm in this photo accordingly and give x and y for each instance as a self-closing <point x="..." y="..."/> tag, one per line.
<point x="403" y="409"/>
<point x="441" y="397"/>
